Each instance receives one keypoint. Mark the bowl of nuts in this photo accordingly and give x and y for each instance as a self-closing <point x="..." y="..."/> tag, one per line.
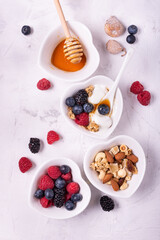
<point x="116" y="167"/>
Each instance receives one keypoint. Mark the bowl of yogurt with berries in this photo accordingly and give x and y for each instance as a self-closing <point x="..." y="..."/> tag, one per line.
<point x="83" y="107"/>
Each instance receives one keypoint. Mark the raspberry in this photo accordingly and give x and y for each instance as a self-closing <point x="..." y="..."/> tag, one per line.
<point x="144" y="98"/>
<point x="43" y="84"/>
<point x="52" y="136"/>
<point x="46" y="182"/>
<point x="67" y="176"/>
<point x="68" y="196"/>
<point x="82" y="119"/>
<point x="45" y="202"/>
<point x="54" y="172"/>
<point x="136" y="87"/>
<point x="24" y="164"/>
<point x="73" y="187"/>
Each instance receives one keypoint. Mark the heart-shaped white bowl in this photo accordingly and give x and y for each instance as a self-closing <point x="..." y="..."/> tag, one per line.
<point x="60" y="213"/>
<point x="117" y="109"/>
<point x="136" y="180"/>
<point x="80" y="31"/>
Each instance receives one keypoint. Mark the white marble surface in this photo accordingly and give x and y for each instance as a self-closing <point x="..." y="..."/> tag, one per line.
<point x="27" y="112"/>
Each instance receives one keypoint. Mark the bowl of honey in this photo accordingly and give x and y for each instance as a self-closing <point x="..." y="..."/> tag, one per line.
<point x="52" y="58"/>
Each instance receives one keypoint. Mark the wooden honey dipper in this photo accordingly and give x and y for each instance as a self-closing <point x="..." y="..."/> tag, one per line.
<point x="72" y="48"/>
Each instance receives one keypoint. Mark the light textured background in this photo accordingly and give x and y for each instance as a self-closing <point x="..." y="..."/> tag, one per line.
<point x="27" y="112"/>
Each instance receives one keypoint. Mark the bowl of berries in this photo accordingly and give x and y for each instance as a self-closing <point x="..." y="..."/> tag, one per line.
<point x="58" y="190"/>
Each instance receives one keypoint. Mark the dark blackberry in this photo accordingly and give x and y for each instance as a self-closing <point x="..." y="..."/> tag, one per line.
<point x="81" y="97"/>
<point x="59" y="200"/>
<point x="106" y="203"/>
<point x="34" y="145"/>
<point x="61" y="192"/>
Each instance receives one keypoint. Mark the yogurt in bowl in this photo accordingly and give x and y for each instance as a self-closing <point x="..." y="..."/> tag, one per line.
<point x="92" y="115"/>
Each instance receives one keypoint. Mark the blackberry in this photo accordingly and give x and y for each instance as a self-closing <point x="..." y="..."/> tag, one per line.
<point x="59" y="200"/>
<point x="34" y="145"/>
<point x="106" y="203"/>
<point x="61" y="192"/>
<point x="81" y="97"/>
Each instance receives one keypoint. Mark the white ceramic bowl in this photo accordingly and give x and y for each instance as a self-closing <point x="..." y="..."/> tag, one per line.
<point x="60" y="213"/>
<point x="54" y="37"/>
<point x="136" y="180"/>
<point x="117" y="109"/>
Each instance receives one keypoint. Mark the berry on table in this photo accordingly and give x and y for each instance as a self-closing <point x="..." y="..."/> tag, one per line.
<point x="82" y="119"/>
<point x="45" y="202"/>
<point x="49" y="194"/>
<point x="26" y="30"/>
<point x="73" y="187"/>
<point x="106" y="203"/>
<point x="144" y="98"/>
<point x="34" y="145"/>
<point x="76" y="197"/>
<point x="136" y="87"/>
<point x="24" y="164"/>
<point x="54" y="172"/>
<point x="81" y="97"/>
<point x="45" y="182"/>
<point x="70" y="102"/>
<point x="132" y="29"/>
<point x="43" y="84"/>
<point x="103" y="109"/>
<point x="77" y="109"/>
<point x="69" y="205"/>
<point x="88" y="107"/>
<point x="130" y="39"/>
<point x="60" y="183"/>
<point x="65" y="169"/>
<point x="39" y="194"/>
<point x="52" y="137"/>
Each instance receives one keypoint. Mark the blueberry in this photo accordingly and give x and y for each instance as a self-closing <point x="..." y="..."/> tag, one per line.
<point x="88" y="107"/>
<point x="70" y="102"/>
<point x="130" y="39"/>
<point x="77" y="109"/>
<point x="76" y="197"/>
<point x="65" y="169"/>
<point x="60" y="183"/>
<point x="69" y="205"/>
<point x="103" y="109"/>
<point x="132" y="29"/>
<point x="26" y="30"/>
<point x="49" y="194"/>
<point x="39" y="194"/>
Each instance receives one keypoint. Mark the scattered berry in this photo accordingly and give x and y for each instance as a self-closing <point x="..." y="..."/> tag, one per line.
<point x="54" y="172"/>
<point x="144" y="98"/>
<point x="67" y="176"/>
<point x="39" y="194"/>
<point x="43" y="84"/>
<point x="26" y="30"/>
<point x="106" y="203"/>
<point x="132" y="29"/>
<point x="76" y="197"/>
<point x="49" y="194"/>
<point x="77" y="109"/>
<point x="69" y="205"/>
<point x="130" y="39"/>
<point x="46" y="182"/>
<point x="34" y="145"/>
<point x="103" y="109"/>
<point x="88" y="107"/>
<point x="45" y="202"/>
<point x="82" y="119"/>
<point x="24" y="164"/>
<point x="73" y="187"/>
<point x="136" y="87"/>
<point x="52" y="137"/>
<point x="70" y="102"/>
<point x="60" y="183"/>
<point x="65" y="169"/>
<point x="81" y="97"/>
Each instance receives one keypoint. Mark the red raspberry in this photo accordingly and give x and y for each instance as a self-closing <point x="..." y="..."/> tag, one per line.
<point x="43" y="84"/>
<point x="136" y="87"/>
<point x="73" y="187"/>
<point x="68" y="196"/>
<point x="24" y="164"/>
<point x="52" y="136"/>
<point x="144" y="98"/>
<point x="82" y="119"/>
<point x="45" y="202"/>
<point x="54" y="172"/>
<point x="45" y="182"/>
<point x="67" y="176"/>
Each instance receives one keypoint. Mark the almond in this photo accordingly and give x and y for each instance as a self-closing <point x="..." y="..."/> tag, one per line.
<point x="133" y="158"/>
<point x="115" y="185"/>
<point x="109" y="157"/>
<point x="107" y="177"/>
<point x="119" y="156"/>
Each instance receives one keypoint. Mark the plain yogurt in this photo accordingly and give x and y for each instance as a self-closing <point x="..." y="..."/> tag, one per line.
<point x="98" y="93"/>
